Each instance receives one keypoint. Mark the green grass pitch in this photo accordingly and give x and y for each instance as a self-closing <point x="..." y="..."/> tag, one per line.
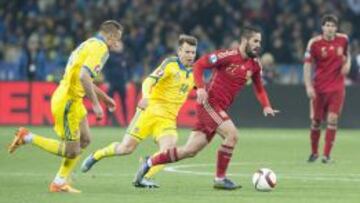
<point x="25" y="175"/>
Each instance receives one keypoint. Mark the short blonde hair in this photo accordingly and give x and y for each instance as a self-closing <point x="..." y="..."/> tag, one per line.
<point x="187" y="39"/>
<point x="111" y="26"/>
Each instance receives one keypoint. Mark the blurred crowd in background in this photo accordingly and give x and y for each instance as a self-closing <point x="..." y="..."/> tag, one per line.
<point x="37" y="36"/>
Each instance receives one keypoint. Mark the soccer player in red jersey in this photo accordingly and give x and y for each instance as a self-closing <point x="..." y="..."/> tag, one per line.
<point x="329" y="53"/>
<point x="231" y="68"/>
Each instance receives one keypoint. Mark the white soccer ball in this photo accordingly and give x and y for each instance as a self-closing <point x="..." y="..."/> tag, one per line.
<point x="264" y="179"/>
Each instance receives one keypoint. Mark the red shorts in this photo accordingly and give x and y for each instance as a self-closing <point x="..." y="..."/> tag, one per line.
<point x="325" y="103"/>
<point x="208" y="119"/>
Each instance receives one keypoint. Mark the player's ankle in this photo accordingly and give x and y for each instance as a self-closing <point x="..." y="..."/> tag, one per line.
<point x="28" y="138"/>
<point x="219" y="178"/>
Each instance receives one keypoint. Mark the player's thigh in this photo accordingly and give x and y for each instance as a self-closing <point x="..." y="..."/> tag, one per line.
<point x="73" y="117"/>
<point x="227" y="129"/>
<point x="128" y="144"/>
<point x="85" y="136"/>
<point x="164" y="132"/>
<point x="141" y="125"/>
<point x="67" y="118"/>
<point x="317" y="107"/>
<point x="336" y="102"/>
<point x="208" y="120"/>
<point x="195" y="143"/>
<point x="166" y="142"/>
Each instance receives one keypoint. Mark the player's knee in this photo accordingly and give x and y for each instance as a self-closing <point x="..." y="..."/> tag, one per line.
<point x="85" y="142"/>
<point x="315" y="124"/>
<point x="232" y="137"/>
<point x="71" y="154"/>
<point x="332" y="118"/>
<point x="127" y="148"/>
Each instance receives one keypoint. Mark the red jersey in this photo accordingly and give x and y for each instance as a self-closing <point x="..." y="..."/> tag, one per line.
<point x="230" y="74"/>
<point x="328" y="57"/>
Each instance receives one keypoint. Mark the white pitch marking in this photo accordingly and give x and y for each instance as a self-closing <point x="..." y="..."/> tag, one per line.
<point x="304" y="177"/>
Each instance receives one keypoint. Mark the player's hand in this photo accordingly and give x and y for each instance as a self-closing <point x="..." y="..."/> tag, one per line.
<point x="143" y="103"/>
<point x="110" y="104"/>
<point x="310" y="91"/>
<point x="98" y="111"/>
<point x="345" y="69"/>
<point x="269" y="111"/>
<point x="202" y="95"/>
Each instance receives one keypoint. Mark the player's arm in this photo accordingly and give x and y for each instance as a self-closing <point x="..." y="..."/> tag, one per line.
<point x="345" y="69"/>
<point x="146" y="87"/>
<point x="109" y="102"/>
<point x="261" y="94"/>
<point x="308" y="62"/>
<point x="205" y="62"/>
<point x="97" y="55"/>
<point x="160" y="73"/>
<point x="87" y="84"/>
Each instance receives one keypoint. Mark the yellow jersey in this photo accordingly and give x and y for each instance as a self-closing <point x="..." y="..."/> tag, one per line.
<point x="173" y="84"/>
<point x="92" y="54"/>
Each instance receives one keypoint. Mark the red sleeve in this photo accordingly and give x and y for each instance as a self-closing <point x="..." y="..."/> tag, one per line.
<point x="205" y="62"/>
<point x="259" y="90"/>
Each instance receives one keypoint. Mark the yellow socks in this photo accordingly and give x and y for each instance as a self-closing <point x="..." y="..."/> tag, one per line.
<point x="153" y="171"/>
<point x="67" y="166"/>
<point x="49" y="145"/>
<point x="106" y="151"/>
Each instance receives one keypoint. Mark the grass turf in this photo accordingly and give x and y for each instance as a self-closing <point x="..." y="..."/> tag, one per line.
<point x="25" y="175"/>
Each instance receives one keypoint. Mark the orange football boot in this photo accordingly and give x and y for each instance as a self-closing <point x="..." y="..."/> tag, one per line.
<point x="62" y="188"/>
<point x="18" y="139"/>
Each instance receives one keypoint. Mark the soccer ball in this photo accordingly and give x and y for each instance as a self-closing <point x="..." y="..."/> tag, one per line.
<point x="264" y="179"/>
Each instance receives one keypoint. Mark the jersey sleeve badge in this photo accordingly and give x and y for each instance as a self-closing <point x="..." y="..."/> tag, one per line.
<point x="213" y="58"/>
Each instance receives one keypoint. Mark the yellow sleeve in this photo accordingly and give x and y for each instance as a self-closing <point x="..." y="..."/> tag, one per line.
<point x="146" y="86"/>
<point x="162" y="71"/>
<point x="97" y="55"/>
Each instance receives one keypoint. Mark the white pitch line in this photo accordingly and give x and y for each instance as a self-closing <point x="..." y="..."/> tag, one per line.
<point x="76" y="174"/>
<point x="302" y="177"/>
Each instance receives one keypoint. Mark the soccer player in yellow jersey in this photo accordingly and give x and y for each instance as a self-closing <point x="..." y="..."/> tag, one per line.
<point x="67" y="107"/>
<point x="163" y="93"/>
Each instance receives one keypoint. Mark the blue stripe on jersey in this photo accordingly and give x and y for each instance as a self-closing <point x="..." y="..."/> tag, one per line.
<point x="100" y="37"/>
<point x="89" y="71"/>
<point x="182" y="67"/>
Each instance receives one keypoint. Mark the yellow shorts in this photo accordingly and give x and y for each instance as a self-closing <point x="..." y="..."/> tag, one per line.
<point x="67" y="115"/>
<point x="145" y="124"/>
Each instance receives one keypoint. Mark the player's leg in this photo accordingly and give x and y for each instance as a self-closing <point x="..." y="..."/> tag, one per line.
<point x="24" y="136"/>
<point x="204" y="131"/>
<point x="165" y="135"/>
<point x="60" y="148"/>
<point x="67" y="164"/>
<point x="77" y="137"/>
<point x="164" y="142"/>
<point x="196" y="142"/>
<point x="230" y="137"/>
<point x="137" y="131"/>
<point x="336" y="101"/>
<point x="229" y="134"/>
<point x="126" y="147"/>
<point x="316" y="115"/>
